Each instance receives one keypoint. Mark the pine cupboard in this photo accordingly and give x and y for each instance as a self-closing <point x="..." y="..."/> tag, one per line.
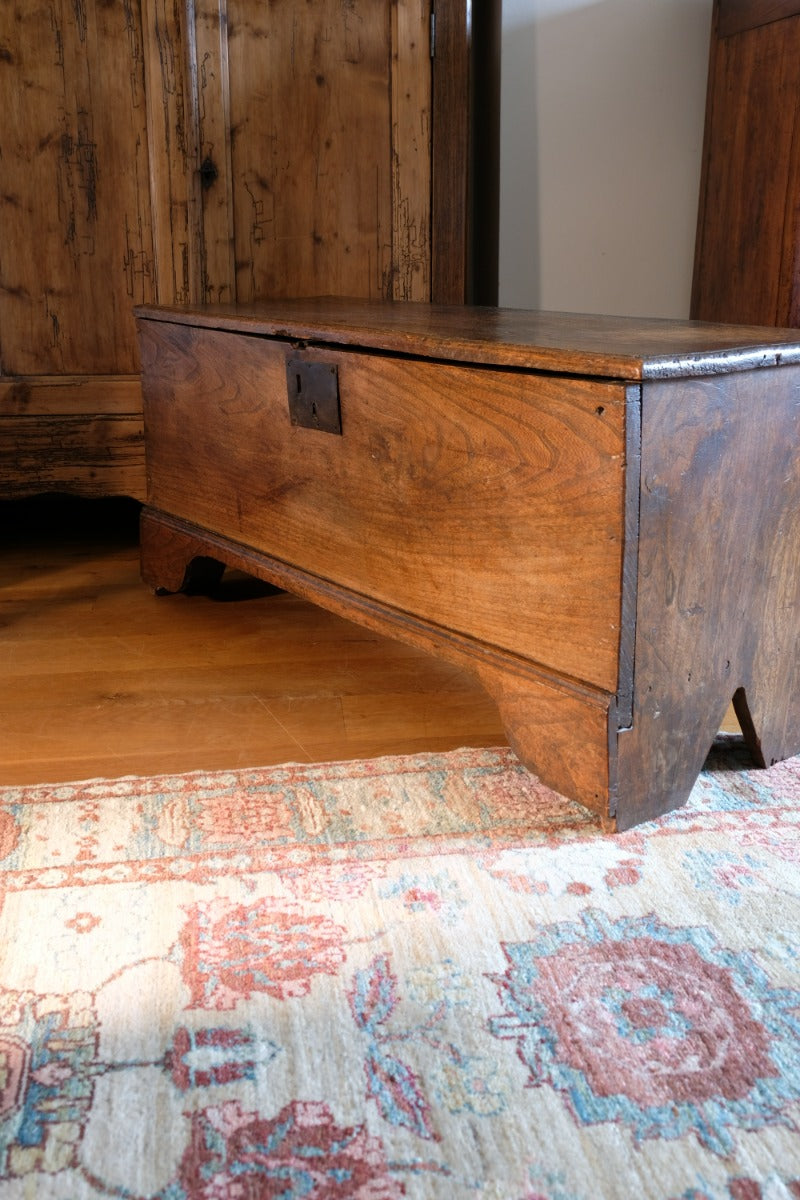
<point x="190" y="151"/>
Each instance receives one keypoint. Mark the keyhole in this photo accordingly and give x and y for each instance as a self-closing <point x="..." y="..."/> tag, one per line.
<point x="312" y="390"/>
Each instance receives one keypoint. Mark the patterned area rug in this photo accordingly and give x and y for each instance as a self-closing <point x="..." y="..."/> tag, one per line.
<point x="425" y="977"/>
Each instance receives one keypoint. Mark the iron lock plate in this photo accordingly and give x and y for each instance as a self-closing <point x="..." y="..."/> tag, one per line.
<point x="313" y="389"/>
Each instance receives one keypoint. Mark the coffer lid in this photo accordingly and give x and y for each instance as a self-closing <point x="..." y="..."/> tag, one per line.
<point x="626" y="348"/>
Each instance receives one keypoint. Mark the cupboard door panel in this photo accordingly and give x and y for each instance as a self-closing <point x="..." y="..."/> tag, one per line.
<point x="172" y="146"/>
<point x="316" y="107"/>
<point x="211" y="79"/>
<point x="77" y="249"/>
<point x="411" y="151"/>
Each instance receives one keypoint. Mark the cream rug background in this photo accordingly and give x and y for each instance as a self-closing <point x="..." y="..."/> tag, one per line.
<point x="425" y="977"/>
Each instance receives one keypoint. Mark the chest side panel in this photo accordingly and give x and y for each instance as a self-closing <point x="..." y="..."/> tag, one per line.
<point x="486" y="501"/>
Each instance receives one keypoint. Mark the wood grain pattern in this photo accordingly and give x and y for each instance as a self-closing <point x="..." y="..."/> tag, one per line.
<point x="411" y="150"/>
<point x="211" y="85"/>
<point x="719" y="580"/>
<point x="172" y="141"/>
<point x="540" y="713"/>
<point x="78" y="246"/>
<point x="105" y="679"/>
<point x="510" y="520"/>
<point x="76" y="204"/>
<point x="81" y="434"/>
<point x="495" y="488"/>
<point x="71" y="395"/>
<point x="541" y="719"/>
<point x="748" y="235"/>
<point x="84" y="453"/>
<point x="175" y="152"/>
<point x="625" y="348"/>
<point x="311" y="152"/>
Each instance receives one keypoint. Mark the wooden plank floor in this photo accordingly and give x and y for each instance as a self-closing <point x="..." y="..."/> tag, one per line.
<point x="102" y="678"/>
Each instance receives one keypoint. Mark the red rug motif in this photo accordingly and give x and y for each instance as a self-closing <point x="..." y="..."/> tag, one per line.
<point x="425" y="977"/>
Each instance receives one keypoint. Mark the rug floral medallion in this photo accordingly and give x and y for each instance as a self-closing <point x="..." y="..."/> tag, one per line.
<point x="423" y="977"/>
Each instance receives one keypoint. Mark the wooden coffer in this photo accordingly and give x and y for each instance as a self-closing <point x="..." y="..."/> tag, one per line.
<point x="597" y="516"/>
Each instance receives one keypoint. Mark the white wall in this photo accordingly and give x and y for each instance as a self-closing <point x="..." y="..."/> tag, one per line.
<point x="602" y="109"/>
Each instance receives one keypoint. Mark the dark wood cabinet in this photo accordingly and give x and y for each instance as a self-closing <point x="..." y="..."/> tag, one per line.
<point x="747" y="257"/>
<point x="176" y="151"/>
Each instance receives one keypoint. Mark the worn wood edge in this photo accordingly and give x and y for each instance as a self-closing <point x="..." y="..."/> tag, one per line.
<point x="84" y="455"/>
<point x="730" y="361"/>
<point x="88" y="455"/>
<point x="406" y="331"/>
<point x="389" y="338"/>
<point x="630" y="555"/>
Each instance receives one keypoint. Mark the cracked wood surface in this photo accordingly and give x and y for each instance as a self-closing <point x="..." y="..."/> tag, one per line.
<point x="331" y="167"/>
<point x="74" y="141"/>
<point x="317" y="137"/>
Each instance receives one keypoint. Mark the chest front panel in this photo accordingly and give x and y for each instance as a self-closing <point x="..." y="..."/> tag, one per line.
<point x="483" y="500"/>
